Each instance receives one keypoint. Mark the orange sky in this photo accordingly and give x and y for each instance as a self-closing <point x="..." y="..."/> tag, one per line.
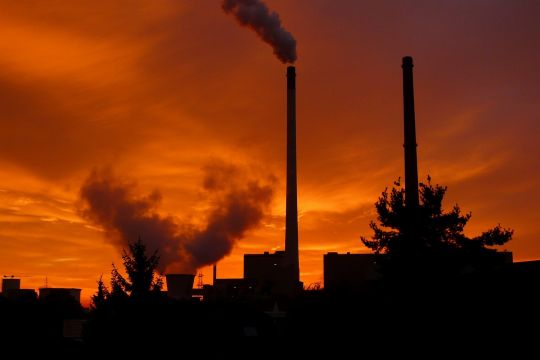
<point x="159" y="89"/>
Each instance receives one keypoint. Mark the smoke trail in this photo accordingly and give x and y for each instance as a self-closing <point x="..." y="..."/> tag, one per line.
<point x="238" y="205"/>
<point x="255" y="15"/>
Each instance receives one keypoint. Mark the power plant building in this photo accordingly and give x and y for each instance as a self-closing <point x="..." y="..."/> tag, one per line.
<point x="10" y="283"/>
<point x="269" y="272"/>
<point x="179" y="286"/>
<point x="343" y="272"/>
<point x="11" y="289"/>
<point x="59" y="294"/>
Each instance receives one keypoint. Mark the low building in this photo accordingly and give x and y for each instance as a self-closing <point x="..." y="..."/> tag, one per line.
<point x="10" y="283"/>
<point x="21" y="294"/>
<point x="270" y="273"/>
<point x="11" y="289"/>
<point x="179" y="286"/>
<point x="234" y="288"/>
<point x="345" y="272"/>
<point x="59" y="294"/>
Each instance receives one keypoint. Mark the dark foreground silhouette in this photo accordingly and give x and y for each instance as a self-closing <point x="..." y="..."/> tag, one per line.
<point x="487" y="304"/>
<point x="484" y="302"/>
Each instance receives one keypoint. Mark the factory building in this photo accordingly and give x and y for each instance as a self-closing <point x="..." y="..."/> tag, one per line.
<point x="10" y="283"/>
<point x="179" y="286"/>
<point x="11" y="289"/>
<point x="343" y="272"/>
<point x="59" y="294"/>
<point x="269" y="272"/>
<point x="235" y="288"/>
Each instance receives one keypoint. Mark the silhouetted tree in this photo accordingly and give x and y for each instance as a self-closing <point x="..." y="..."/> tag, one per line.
<point x="100" y="297"/>
<point x="142" y="277"/>
<point x="118" y="285"/>
<point x="141" y="269"/>
<point x="428" y="234"/>
<point x="128" y="309"/>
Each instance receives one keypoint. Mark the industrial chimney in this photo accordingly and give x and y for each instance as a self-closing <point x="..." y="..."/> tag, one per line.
<point x="291" y="223"/>
<point x="411" y="167"/>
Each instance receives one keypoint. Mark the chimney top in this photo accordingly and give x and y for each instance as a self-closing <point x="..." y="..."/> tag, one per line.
<point x="407" y="61"/>
<point x="291" y="77"/>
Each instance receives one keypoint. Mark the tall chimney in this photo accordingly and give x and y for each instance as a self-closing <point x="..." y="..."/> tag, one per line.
<point x="214" y="274"/>
<point x="291" y="224"/>
<point x="411" y="167"/>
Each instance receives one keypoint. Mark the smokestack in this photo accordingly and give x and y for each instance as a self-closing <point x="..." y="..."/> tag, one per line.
<point x="214" y="274"/>
<point x="411" y="166"/>
<point x="291" y="223"/>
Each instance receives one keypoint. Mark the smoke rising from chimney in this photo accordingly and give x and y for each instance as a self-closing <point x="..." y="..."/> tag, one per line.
<point x="255" y="15"/>
<point x="237" y="204"/>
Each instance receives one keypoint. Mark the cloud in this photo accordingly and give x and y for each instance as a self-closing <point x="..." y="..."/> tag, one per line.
<point x="238" y="204"/>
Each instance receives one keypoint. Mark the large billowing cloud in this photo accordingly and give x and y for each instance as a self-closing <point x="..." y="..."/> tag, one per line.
<point x="237" y="204"/>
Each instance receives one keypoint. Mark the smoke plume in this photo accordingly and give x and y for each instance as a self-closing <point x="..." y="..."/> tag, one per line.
<point x="255" y="15"/>
<point x="237" y="205"/>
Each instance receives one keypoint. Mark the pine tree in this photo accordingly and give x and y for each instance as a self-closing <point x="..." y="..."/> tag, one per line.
<point x="141" y="269"/>
<point x="142" y="278"/>
<point x="101" y="296"/>
<point x="429" y="237"/>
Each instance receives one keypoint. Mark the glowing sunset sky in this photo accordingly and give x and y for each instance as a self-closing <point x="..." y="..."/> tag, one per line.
<point x="159" y="89"/>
